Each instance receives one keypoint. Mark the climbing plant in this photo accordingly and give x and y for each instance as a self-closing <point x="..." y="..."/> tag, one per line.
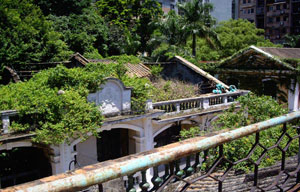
<point x="252" y="109"/>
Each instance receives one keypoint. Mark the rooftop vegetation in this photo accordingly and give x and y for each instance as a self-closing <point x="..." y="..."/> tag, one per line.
<point x="53" y="103"/>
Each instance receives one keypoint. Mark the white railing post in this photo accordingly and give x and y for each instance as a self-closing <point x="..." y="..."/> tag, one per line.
<point x="5" y="123"/>
<point x="205" y="103"/>
<point x="225" y="99"/>
<point x="149" y="105"/>
<point x="177" y="107"/>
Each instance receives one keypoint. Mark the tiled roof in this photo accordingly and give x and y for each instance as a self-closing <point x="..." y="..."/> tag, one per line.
<point x="139" y="70"/>
<point x="282" y="52"/>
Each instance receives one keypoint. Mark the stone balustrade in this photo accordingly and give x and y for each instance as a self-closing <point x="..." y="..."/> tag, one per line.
<point x="202" y="102"/>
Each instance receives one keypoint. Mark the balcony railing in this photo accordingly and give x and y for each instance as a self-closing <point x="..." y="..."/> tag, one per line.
<point x="285" y="175"/>
<point x="198" y="103"/>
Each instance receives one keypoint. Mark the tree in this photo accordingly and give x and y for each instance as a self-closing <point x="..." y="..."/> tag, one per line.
<point x="26" y="36"/>
<point x="292" y="41"/>
<point x="171" y="27"/>
<point x="92" y="38"/>
<point x="198" y="22"/>
<point x="148" y="13"/>
<point x="238" y="34"/>
<point x="134" y="16"/>
<point x="62" y="7"/>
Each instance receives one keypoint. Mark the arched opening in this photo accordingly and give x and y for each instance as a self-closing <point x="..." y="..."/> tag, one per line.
<point x="270" y="88"/>
<point x="113" y="144"/>
<point x="23" y="164"/>
<point x="168" y="136"/>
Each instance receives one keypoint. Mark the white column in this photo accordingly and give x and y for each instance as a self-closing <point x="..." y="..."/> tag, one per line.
<point x="63" y="155"/>
<point x="87" y="152"/>
<point x="5" y="123"/>
<point x="148" y="129"/>
<point x="205" y="103"/>
<point x="293" y="96"/>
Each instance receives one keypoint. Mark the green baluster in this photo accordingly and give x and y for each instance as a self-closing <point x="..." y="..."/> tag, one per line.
<point x="197" y="164"/>
<point x="130" y="187"/>
<point x="144" y="185"/>
<point x="188" y="168"/>
<point x="167" y="173"/>
<point x="156" y="180"/>
<point x="179" y="172"/>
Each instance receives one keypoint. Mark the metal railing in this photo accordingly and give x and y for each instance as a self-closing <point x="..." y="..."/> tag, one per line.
<point x="188" y="177"/>
<point x="202" y="102"/>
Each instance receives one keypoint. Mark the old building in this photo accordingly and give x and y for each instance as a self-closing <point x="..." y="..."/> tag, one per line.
<point x="123" y="132"/>
<point x="267" y="71"/>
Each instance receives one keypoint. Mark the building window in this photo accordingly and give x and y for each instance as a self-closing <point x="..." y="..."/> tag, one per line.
<point x="284" y="6"/>
<point x="283" y="30"/>
<point x="270" y="20"/>
<point x="244" y="1"/>
<point x="277" y="7"/>
<point x="249" y="1"/>
<point x="172" y="7"/>
<point x="271" y="8"/>
<point x="245" y="11"/>
<point x="285" y="18"/>
<point x="249" y="11"/>
<point x="252" y="10"/>
<point x="277" y="19"/>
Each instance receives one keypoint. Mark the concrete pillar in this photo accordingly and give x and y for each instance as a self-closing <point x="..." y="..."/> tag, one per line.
<point x="5" y="123"/>
<point x="293" y="96"/>
<point x="62" y="157"/>
<point x="87" y="152"/>
<point x="148" y="133"/>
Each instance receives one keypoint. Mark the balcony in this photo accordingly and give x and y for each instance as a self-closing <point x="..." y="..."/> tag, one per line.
<point x="219" y="169"/>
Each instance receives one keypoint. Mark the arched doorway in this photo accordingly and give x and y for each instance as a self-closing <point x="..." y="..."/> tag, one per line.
<point x="23" y="164"/>
<point x="170" y="135"/>
<point x="270" y="88"/>
<point x="113" y="144"/>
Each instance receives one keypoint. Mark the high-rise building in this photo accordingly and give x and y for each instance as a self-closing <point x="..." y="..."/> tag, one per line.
<point x="277" y="17"/>
<point x="223" y="9"/>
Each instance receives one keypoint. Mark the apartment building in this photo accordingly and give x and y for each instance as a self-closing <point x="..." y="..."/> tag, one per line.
<point x="277" y="17"/>
<point x="223" y="9"/>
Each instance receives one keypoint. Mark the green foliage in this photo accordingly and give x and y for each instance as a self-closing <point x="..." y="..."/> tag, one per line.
<point x="90" y="39"/>
<point x="124" y="59"/>
<point x="170" y="90"/>
<point x="238" y="34"/>
<point x="131" y="23"/>
<point x="189" y="133"/>
<point x="292" y="41"/>
<point x="198" y="22"/>
<point x="55" y="116"/>
<point x="141" y="91"/>
<point x="26" y="36"/>
<point x="253" y="109"/>
<point x="156" y="70"/>
<point x="62" y="7"/>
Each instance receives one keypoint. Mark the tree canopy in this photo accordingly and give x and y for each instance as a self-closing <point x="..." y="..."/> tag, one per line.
<point x="26" y="35"/>
<point x="62" y="7"/>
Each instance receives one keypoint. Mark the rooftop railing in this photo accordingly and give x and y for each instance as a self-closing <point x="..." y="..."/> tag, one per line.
<point x="284" y="175"/>
<point x="198" y="103"/>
